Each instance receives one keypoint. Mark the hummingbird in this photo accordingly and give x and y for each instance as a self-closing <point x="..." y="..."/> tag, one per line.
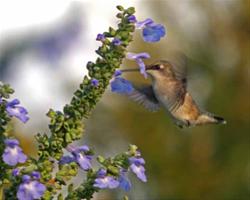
<point x="168" y="89"/>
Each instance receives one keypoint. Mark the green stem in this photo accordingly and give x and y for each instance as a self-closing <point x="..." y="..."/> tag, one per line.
<point x="1" y="193"/>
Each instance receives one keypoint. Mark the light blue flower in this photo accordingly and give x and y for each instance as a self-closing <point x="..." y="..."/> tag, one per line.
<point x="151" y="32"/>
<point x="13" y="154"/>
<point x="121" y="86"/>
<point x="138" y="57"/>
<point x="13" y="109"/>
<point x="124" y="181"/>
<point x="132" y="19"/>
<point x="105" y="181"/>
<point x="142" y="24"/>
<point x="117" y="73"/>
<point x="79" y="155"/>
<point x="116" y="42"/>
<point x="137" y="166"/>
<point x="30" y="189"/>
<point x="94" y="82"/>
<point x="100" y="37"/>
<point x="36" y="175"/>
<point x="16" y="172"/>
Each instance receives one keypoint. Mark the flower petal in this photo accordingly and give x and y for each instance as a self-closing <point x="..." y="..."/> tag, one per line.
<point x="153" y="33"/>
<point x="132" y="19"/>
<point x="66" y="160"/>
<point x="137" y="161"/>
<point x="134" y="56"/>
<point x="30" y="190"/>
<point x="125" y="183"/>
<point x="118" y="73"/>
<point x="94" y="82"/>
<point x="13" y="155"/>
<point x="144" y="23"/>
<point x="116" y="42"/>
<point x="112" y="183"/>
<point x="142" y="67"/>
<point x="11" y="142"/>
<point x="139" y="170"/>
<point x="121" y="86"/>
<point x="83" y="161"/>
<point x="13" y="102"/>
<point x="100" y="37"/>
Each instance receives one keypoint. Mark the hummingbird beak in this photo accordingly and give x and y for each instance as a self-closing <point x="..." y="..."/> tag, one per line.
<point x="148" y="67"/>
<point x="152" y="67"/>
<point x="130" y="70"/>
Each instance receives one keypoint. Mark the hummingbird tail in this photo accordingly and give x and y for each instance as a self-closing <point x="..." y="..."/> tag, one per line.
<point x="209" y="118"/>
<point x="220" y="120"/>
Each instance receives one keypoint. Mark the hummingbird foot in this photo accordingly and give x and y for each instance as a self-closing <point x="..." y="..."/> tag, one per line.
<point x="183" y="124"/>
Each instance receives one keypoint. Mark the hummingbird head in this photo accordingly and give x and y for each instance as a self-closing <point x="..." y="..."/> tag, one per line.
<point x="160" y="69"/>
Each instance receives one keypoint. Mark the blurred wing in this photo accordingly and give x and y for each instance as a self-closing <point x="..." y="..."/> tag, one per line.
<point x="145" y="96"/>
<point x="179" y="66"/>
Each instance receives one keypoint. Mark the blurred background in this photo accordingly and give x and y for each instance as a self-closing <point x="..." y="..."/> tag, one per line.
<point x="45" y="45"/>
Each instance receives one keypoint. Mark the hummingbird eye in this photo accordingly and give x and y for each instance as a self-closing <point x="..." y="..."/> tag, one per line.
<point x="161" y="66"/>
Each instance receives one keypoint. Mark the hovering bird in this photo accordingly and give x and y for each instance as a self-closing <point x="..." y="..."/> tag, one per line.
<point x="168" y="89"/>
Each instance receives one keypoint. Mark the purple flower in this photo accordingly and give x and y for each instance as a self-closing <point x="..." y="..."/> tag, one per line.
<point x="132" y="19"/>
<point x="26" y="178"/>
<point x="84" y="161"/>
<point x="83" y="148"/>
<point x="16" y="171"/>
<point x="36" y="175"/>
<point x="137" y="166"/>
<point x="121" y="86"/>
<point x="101" y="172"/>
<point x="19" y="112"/>
<point x="151" y="32"/>
<point x="94" y="82"/>
<point x="117" y="73"/>
<point x="124" y="181"/>
<point x="137" y="161"/>
<point x="100" y="37"/>
<point x="138" y="58"/>
<point x="1" y="100"/>
<point x="104" y="181"/>
<point x="30" y="189"/>
<point x="13" y="154"/>
<point x="66" y="160"/>
<point x="144" y="23"/>
<point x="79" y="156"/>
<point x="116" y="42"/>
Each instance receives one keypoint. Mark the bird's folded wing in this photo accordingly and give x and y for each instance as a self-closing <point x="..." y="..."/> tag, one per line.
<point x="145" y="96"/>
<point x="176" y="97"/>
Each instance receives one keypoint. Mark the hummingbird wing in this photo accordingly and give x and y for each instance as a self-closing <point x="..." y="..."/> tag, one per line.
<point x="179" y="67"/>
<point x="145" y="96"/>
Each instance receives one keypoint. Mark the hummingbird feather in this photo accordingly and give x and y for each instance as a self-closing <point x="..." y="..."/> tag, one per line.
<point x="145" y="96"/>
<point x="179" y="66"/>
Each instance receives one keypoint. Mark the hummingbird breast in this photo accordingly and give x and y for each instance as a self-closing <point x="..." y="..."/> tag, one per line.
<point x="177" y="101"/>
<point x="188" y="111"/>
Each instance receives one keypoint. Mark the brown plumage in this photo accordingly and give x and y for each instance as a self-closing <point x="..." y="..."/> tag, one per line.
<point x="169" y="89"/>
